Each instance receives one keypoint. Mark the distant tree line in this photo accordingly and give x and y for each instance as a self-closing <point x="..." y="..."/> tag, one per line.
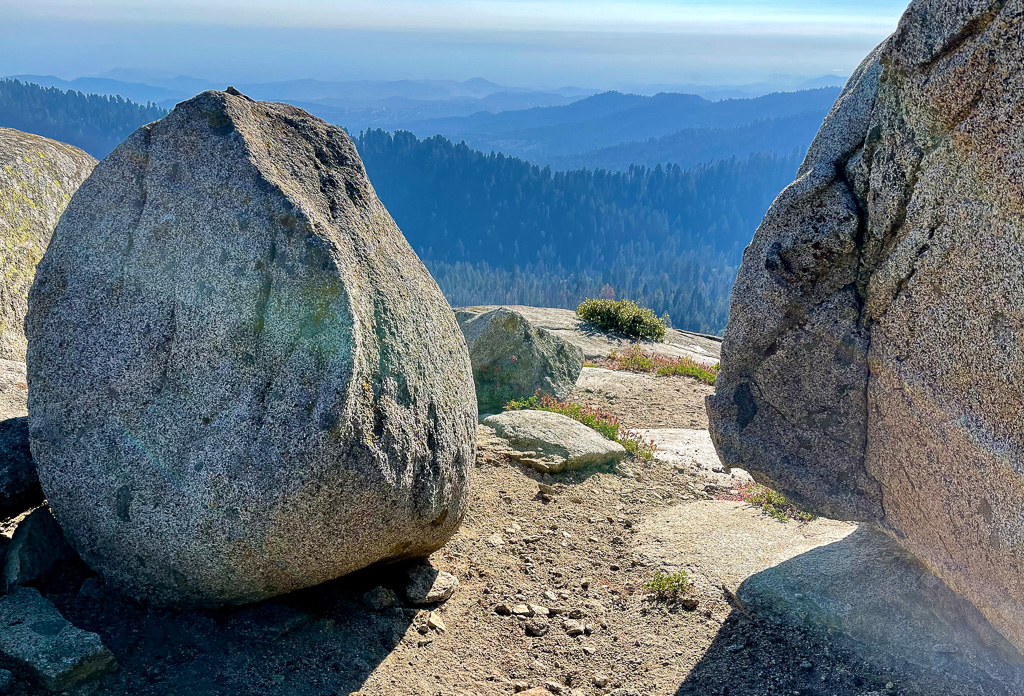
<point x="495" y="229"/>
<point x="94" y="123"/>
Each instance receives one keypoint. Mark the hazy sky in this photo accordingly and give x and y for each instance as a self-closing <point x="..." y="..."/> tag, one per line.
<point x="598" y="43"/>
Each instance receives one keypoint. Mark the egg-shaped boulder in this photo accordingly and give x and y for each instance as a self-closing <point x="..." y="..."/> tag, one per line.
<point x="242" y="380"/>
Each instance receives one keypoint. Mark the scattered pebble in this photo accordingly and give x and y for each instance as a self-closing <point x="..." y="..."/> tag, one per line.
<point x="434" y="622"/>
<point x="427" y="585"/>
<point x="537" y="626"/>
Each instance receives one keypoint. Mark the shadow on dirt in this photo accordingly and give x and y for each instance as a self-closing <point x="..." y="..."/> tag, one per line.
<point x="317" y="642"/>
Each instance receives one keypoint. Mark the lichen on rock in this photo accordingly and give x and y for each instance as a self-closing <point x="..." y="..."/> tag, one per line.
<point x="38" y="176"/>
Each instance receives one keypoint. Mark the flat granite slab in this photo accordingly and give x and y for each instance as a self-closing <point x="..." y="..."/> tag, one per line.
<point x="850" y="585"/>
<point x="36" y="638"/>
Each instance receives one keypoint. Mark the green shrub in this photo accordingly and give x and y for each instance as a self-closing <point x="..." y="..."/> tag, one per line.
<point x="668" y="586"/>
<point x="772" y="503"/>
<point x="623" y="316"/>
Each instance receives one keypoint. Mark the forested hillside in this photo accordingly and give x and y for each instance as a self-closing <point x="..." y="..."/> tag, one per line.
<point x="695" y="130"/>
<point x="91" y="122"/>
<point x="693" y="146"/>
<point x="495" y="229"/>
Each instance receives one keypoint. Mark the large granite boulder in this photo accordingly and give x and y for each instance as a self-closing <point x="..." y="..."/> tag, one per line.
<point x="38" y="176"/>
<point x="873" y="366"/>
<point x="513" y="359"/>
<point x="242" y="379"/>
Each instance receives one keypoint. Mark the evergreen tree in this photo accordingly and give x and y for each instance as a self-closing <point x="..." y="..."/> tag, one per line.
<point x="496" y="229"/>
<point x="94" y="123"/>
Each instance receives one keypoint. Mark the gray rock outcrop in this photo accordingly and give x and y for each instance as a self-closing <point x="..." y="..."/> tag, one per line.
<point x="873" y="366"/>
<point x="512" y="359"/>
<point x="242" y="379"/>
<point x="35" y="637"/>
<point x="38" y="176"/>
<point x="552" y="442"/>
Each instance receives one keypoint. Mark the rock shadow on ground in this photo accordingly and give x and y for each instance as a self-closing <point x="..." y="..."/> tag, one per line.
<point x="828" y="602"/>
<point x="316" y="642"/>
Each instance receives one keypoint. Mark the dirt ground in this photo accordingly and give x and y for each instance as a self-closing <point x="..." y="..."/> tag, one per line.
<point x="515" y="546"/>
<point x="645" y="400"/>
<point x="581" y="548"/>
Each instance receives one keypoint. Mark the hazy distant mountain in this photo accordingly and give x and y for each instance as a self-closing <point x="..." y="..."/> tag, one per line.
<point x="137" y="92"/>
<point x="824" y="81"/>
<point x="556" y="135"/>
<point x="356" y="104"/>
<point x="780" y="83"/>
<point x="693" y="146"/>
<point x="393" y="113"/>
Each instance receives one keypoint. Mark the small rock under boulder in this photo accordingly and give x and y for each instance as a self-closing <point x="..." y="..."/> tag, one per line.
<point x="380" y="598"/>
<point x="37" y="549"/>
<point x="8" y="682"/>
<point x="427" y="585"/>
<point x="19" y="484"/>
<point x="34" y="636"/>
<point x="243" y="380"/>
<point x="512" y="359"/>
<point x="551" y="442"/>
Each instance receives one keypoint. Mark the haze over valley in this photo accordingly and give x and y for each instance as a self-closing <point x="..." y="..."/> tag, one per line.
<point x="511" y="348"/>
<point x="497" y="180"/>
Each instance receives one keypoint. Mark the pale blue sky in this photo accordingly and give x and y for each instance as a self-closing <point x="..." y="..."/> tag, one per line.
<point x="597" y="43"/>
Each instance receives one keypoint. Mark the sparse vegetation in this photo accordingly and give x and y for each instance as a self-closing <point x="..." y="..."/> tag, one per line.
<point x="601" y="421"/>
<point x="636" y="359"/>
<point x="668" y="586"/>
<point x="624" y="316"/>
<point x="772" y="503"/>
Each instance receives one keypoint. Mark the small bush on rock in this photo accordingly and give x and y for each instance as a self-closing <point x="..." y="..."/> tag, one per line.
<point x="623" y="316"/>
<point x="771" y="503"/>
